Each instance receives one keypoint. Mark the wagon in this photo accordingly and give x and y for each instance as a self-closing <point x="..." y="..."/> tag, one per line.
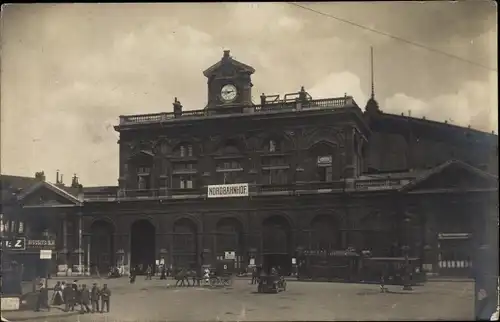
<point x="271" y="284"/>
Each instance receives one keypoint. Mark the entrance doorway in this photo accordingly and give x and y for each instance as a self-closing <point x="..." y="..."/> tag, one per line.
<point x="282" y="262"/>
<point x="101" y="246"/>
<point x="142" y="245"/>
<point x="276" y="248"/>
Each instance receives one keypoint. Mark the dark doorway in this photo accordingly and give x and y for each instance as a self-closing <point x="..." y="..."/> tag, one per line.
<point x="276" y="245"/>
<point x="323" y="235"/>
<point x="229" y="238"/>
<point x="142" y="245"/>
<point x="101" y="246"/>
<point x="185" y="248"/>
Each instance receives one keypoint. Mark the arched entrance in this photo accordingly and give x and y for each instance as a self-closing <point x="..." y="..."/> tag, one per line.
<point x="142" y="245"/>
<point x="229" y="238"/>
<point x="276" y="250"/>
<point x="101" y="246"/>
<point x="323" y="235"/>
<point x="185" y="247"/>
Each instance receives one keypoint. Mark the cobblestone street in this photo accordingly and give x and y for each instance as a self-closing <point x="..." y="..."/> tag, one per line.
<point x="155" y="301"/>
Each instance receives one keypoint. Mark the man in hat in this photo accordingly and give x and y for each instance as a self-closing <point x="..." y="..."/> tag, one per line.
<point x="85" y="299"/>
<point x="105" y="298"/>
<point x="94" y="297"/>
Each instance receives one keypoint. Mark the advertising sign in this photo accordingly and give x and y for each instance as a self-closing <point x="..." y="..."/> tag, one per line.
<point x="45" y="254"/>
<point x="229" y="255"/>
<point x="227" y="190"/>
<point x="15" y="243"/>
<point x="10" y="303"/>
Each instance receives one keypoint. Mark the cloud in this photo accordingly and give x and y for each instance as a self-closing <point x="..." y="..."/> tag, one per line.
<point x="474" y="104"/>
<point x="69" y="70"/>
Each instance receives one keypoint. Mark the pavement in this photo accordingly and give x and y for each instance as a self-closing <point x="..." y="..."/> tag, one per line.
<point x="158" y="300"/>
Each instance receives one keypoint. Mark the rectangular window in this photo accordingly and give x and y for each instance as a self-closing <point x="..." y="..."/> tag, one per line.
<point x="278" y="176"/>
<point x="182" y="151"/>
<point x="325" y="174"/>
<point x="21" y="227"/>
<point x="190" y="150"/>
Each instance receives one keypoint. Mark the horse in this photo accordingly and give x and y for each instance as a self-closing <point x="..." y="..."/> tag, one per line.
<point x="180" y="277"/>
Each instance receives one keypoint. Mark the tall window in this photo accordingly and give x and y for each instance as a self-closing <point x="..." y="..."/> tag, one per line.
<point x="186" y="182"/>
<point x="143" y="178"/>
<point x="325" y="174"/>
<point x="183" y="151"/>
<point x="272" y="146"/>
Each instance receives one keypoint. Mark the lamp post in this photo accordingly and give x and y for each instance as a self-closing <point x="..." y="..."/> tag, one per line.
<point x="406" y="250"/>
<point x="47" y="261"/>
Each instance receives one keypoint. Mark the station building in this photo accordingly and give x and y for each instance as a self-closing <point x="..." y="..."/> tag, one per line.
<point x="262" y="182"/>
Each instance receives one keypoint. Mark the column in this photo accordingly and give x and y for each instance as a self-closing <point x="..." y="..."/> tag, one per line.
<point x="80" y="243"/>
<point x="349" y="164"/>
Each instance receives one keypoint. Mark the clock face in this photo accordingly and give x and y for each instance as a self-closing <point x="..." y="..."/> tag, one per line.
<point x="228" y="93"/>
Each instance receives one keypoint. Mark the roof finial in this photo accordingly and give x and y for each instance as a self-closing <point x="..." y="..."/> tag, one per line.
<point x="372" y="76"/>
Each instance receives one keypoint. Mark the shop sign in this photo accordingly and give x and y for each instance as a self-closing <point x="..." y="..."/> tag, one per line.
<point x="227" y="190"/>
<point x="41" y="243"/>
<point x="15" y="243"/>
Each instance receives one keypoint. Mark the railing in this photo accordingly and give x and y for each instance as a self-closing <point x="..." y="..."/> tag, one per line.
<point x="277" y="106"/>
<point x="297" y="189"/>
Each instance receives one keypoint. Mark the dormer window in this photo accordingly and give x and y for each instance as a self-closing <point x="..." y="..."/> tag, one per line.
<point x="190" y="150"/>
<point x="182" y="151"/>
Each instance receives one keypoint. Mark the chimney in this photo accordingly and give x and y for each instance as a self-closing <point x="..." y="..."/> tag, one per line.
<point x="226" y="54"/>
<point x="177" y="108"/>
<point x="74" y="181"/>
<point x="57" y="176"/>
<point x="40" y="176"/>
<point x="62" y="182"/>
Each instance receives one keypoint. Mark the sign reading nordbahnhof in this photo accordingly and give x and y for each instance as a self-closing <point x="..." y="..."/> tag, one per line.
<point x="228" y="190"/>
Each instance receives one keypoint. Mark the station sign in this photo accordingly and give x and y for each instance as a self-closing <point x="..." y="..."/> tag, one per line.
<point x="227" y="190"/>
<point x="18" y="243"/>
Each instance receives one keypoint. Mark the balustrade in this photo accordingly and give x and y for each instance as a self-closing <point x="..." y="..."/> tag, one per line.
<point x="275" y="106"/>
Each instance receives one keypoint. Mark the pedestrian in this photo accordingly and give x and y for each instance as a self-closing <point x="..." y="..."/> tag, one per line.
<point x="84" y="299"/>
<point x="163" y="275"/>
<point x="68" y="297"/>
<point x="149" y="272"/>
<point x="105" y="298"/>
<point x="57" y="298"/>
<point x="42" y="300"/>
<point x="133" y="273"/>
<point x="94" y="297"/>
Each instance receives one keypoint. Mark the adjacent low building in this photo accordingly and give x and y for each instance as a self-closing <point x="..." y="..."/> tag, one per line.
<point x="258" y="182"/>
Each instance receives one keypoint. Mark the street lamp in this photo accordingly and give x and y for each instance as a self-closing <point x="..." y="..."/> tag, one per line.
<point x="406" y="250"/>
<point x="47" y="261"/>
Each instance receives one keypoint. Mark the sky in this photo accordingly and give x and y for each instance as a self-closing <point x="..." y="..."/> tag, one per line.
<point x="69" y="70"/>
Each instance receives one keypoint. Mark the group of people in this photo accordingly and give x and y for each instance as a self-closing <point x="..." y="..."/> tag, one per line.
<point x="90" y="300"/>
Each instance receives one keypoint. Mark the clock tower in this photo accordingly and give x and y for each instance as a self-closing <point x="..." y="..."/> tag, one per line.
<point x="229" y="85"/>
